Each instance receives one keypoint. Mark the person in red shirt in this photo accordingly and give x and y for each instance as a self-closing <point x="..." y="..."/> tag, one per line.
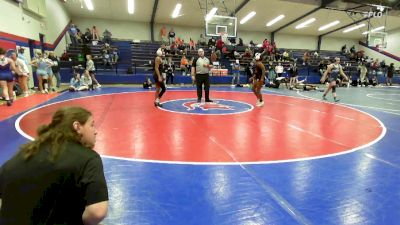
<point x="220" y="44"/>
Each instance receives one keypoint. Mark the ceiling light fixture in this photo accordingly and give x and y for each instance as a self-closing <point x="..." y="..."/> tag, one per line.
<point x="375" y="30"/>
<point x="354" y="28"/>
<point x="211" y="13"/>
<point x="304" y="24"/>
<point x="131" y="6"/>
<point x="176" y="11"/>
<point x="89" y="5"/>
<point x="272" y="22"/>
<point x="248" y="17"/>
<point x="329" y="25"/>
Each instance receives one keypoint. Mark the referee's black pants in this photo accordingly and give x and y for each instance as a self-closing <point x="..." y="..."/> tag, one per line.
<point x="200" y="80"/>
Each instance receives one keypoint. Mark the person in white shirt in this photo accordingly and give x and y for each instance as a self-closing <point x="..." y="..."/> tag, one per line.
<point x="279" y="69"/>
<point x="23" y="74"/>
<point x="85" y="82"/>
<point x="74" y="83"/>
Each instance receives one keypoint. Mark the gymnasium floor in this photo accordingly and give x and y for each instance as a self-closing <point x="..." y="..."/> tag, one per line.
<point x="297" y="160"/>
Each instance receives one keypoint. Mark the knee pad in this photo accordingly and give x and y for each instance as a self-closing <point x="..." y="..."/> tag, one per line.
<point x="334" y="89"/>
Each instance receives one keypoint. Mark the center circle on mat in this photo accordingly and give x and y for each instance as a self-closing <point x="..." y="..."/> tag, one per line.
<point x="217" y="107"/>
<point x="284" y="129"/>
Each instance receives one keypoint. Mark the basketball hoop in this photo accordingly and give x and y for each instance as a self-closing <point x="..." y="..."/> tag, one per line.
<point x="221" y="26"/>
<point x="377" y="40"/>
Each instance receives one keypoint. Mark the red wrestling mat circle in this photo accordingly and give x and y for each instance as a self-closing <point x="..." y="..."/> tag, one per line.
<point x="285" y="129"/>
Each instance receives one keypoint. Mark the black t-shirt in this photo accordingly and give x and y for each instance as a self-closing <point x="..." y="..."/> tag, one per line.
<point x="171" y="34"/>
<point x="38" y="191"/>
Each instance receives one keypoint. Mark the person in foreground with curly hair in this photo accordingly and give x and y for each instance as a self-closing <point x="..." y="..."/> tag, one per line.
<point x="58" y="178"/>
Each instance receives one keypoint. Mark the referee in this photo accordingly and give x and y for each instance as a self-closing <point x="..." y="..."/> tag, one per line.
<point x="200" y="69"/>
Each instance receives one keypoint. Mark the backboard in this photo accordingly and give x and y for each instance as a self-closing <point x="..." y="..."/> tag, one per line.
<point x="218" y="25"/>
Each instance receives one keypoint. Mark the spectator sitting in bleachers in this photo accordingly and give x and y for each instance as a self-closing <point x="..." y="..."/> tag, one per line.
<point x="106" y="56"/>
<point x="173" y="48"/>
<point x="115" y="55"/>
<point x="322" y="65"/>
<point x="95" y="34"/>
<point x="360" y="55"/>
<point x="344" y="50"/>
<point x="107" y="36"/>
<point x="163" y="35"/>
<point x="183" y="66"/>
<point x="285" y="56"/>
<point x="87" y="36"/>
<point x="219" y="44"/>
<point x="213" y="57"/>
<point x="178" y="41"/>
<point x="279" y="69"/>
<point x="79" y="36"/>
<point x="64" y="56"/>
<point x="266" y="49"/>
<point x="74" y="83"/>
<point x="225" y="51"/>
<point x="192" y="45"/>
<point x="240" y="42"/>
<point x="202" y="41"/>
<point x="106" y="47"/>
<point x="171" y="35"/>
<point x="316" y="55"/>
<point x="72" y="34"/>
<point x="211" y="42"/>
<point x="182" y="47"/>
<point x="353" y="49"/>
<point x="237" y="55"/>
<point x="306" y="58"/>
<point x="252" y="44"/>
<point x="232" y="41"/>
<point x="248" y="53"/>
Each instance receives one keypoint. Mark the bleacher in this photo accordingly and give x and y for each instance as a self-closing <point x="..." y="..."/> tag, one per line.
<point x="135" y="60"/>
